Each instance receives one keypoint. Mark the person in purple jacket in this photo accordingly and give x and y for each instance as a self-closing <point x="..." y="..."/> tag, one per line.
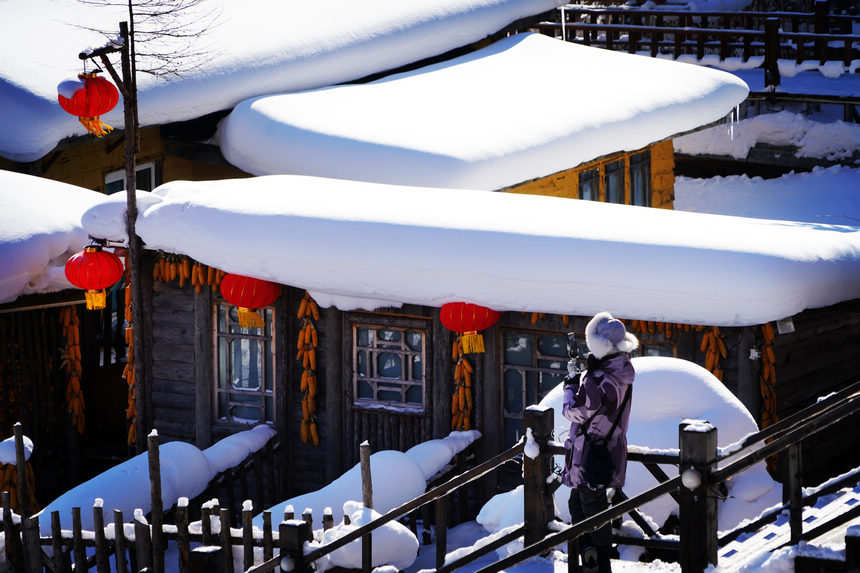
<point x="597" y="403"/>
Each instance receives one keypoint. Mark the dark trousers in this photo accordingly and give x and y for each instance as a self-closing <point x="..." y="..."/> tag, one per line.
<point x="584" y="503"/>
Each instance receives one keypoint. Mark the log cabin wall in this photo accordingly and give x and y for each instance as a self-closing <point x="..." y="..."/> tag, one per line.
<point x="821" y="356"/>
<point x="567" y="183"/>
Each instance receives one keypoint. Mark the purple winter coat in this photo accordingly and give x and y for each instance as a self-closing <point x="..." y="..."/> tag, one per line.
<point x="603" y="386"/>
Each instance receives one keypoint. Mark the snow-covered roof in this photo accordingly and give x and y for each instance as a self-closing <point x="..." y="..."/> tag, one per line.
<point x="364" y="245"/>
<point x="525" y="107"/>
<point x="40" y="228"/>
<point x="255" y="47"/>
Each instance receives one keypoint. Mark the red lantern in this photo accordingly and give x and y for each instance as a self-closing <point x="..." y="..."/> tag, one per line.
<point x="88" y="98"/>
<point x="468" y="319"/>
<point x="94" y="270"/>
<point x="249" y="294"/>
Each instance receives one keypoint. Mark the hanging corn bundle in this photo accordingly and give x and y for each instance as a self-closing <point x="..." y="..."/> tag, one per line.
<point x="461" y="400"/>
<point x="72" y="366"/>
<point x="307" y="343"/>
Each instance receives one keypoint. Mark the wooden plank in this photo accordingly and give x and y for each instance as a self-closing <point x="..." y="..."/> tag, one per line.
<point x="332" y="338"/>
<point x="30" y="541"/>
<point x="120" y="542"/>
<point x="268" y="546"/>
<point x="170" y="370"/>
<point x="60" y="562"/>
<point x="78" y="548"/>
<point x="101" y="549"/>
<point x="203" y="374"/>
<point x="247" y="539"/>
<point x="224" y="539"/>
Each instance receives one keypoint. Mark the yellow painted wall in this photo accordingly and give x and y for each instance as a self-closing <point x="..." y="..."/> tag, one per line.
<point x="566" y="183"/>
<point x="87" y="163"/>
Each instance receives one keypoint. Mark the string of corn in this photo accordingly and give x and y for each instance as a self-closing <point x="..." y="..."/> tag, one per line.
<point x="169" y="267"/>
<point x="72" y="366"/>
<point x="667" y="329"/>
<point x="767" y="385"/>
<point x="307" y="355"/>
<point x="461" y="400"/>
<point x="9" y="482"/>
<point x="128" y="371"/>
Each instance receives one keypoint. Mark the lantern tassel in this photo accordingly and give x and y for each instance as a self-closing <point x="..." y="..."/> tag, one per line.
<point x="95" y="126"/>
<point x="472" y="342"/>
<point x="96" y="299"/>
<point x="249" y="318"/>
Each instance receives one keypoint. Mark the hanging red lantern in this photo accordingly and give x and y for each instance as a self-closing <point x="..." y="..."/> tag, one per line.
<point x="88" y="98"/>
<point x="468" y="319"/>
<point x="94" y="270"/>
<point x="249" y="294"/>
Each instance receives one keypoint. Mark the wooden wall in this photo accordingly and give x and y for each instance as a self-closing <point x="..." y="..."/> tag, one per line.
<point x="566" y="183"/>
<point x="821" y="356"/>
<point x="86" y="160"/>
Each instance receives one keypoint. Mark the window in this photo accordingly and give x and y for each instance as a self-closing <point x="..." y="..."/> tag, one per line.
<point x="589" y="185"/>
<point x="613" y="182"/>
<point x="640" y="179"/>
<point x="245" y="392"/>
<point x="144" y="179"/>
<point x="534" y="364"/>
<point x="389" y="365"/>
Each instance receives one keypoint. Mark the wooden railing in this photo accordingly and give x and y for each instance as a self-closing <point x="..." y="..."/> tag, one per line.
<point x="818" y="36"/>
<point x="696" y="545"/>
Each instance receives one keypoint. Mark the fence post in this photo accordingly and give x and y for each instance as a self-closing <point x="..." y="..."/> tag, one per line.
<point x="537" y="499"/>
<point x="852" y="549"/>
<point x="367" y="498"/>
<point x="13" y="540"/>
<point x="792" y="491"/>
<point x="293" y="536"/>
<point x="771" y="52"/>
<point x="157" y="515"/>
<point x="697" y="441"/>
<point x="207" y="559"/>
<point x="21" y="467"/>
<point x="819" y="26"/>
<point x="32" y="547"/>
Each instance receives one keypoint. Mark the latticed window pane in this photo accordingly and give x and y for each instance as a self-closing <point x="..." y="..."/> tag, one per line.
<point x="589" y="185"/>
<point x="534" y="364"/>
<point x="388" y="365"/>
<point x="245" y="360"/>
<point x="614" y="181"/>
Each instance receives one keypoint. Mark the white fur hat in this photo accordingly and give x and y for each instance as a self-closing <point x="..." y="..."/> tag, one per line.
<point x="606" y="335"/>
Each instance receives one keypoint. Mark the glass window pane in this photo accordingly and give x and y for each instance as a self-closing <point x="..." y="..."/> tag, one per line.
<point x="114" y="187"/>
<point x="415" y="395"/>
<point x="519" y="349"/>
<point x="223" y="363"/>
<point x="531" y="388"/>
<point x="513" y="431"/>
<point x="365" y="390"/>
<point x="553" y="345"/>
<point x="640" y="179"/>
<point x="417" y="369"/>
<point x="548" y="381"/>
<point x="413" y="340"/>
<point x="365" y="336"/>
<point x="614" y="181"/>
<point x="589" y="185"/>
<point x="389" y="335"/>
<point x="143" y="179"/>
<point x="389" y="394"/>
<point x="361" y="363"/>
<point x="388" y="365"/>
<point x="513" y="399"/>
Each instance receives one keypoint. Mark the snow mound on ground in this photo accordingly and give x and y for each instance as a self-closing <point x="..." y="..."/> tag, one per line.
<point x="666" y="391"/>
<point x="393" y="543"/>
<point x="184" y="473"/>
<point x="433" y="455"/>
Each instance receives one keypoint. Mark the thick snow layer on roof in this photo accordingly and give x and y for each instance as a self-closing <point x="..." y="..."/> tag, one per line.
<point x="40" y="228"/>
<point x="365" y="245"/>
<point x="255" y="47"/>
<point x="524" y="107"/>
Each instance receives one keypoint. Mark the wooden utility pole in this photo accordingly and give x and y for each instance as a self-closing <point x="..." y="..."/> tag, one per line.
<point x="127" y="86"/>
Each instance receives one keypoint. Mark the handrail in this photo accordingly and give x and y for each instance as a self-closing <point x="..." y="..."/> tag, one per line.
<point x="589" y="524"/>
<point x="438" y="492"/>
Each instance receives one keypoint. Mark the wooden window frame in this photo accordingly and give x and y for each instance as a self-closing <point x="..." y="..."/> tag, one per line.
<point x="383" y="322"/>
<point x="268" y="377"/>
<point x="115" y="176"/>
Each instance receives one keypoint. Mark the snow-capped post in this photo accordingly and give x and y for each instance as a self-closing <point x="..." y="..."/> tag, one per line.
<point x="367" y="499"/>
<point x="21" y="466"/>
<point x="537" y="497"/>
<point x="158" y="545"/>
<point x="293" y="535"/>
<point x="32" y="547"/>
<point x="697" y="440"/>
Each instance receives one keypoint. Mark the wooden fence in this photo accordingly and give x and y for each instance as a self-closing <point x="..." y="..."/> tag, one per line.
<point x="140" y="545"/>
<point x="818" y="36"/>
